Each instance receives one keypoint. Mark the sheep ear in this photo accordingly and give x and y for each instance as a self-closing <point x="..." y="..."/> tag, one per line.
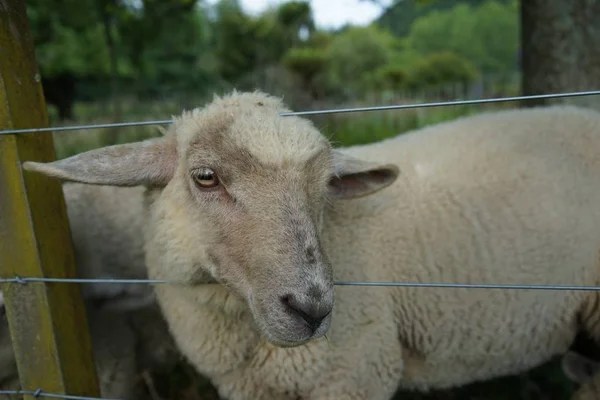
<point x="150" y="162"/>
<point x="357" y="178"/>
<point x="578" y="368"/>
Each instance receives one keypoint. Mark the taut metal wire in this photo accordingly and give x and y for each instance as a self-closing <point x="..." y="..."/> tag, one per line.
<point x="23" y="281"/>
<point x="39" y="393"/>
<point x="317" y="112"/>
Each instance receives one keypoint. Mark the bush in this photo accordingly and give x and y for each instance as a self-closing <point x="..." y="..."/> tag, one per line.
<point x="389" y="76"/>
<point x="441" y="68"/>
<point x="306" y="62"/>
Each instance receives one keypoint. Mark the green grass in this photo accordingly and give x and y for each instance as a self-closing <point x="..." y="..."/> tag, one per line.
<point x="543" y="383"/>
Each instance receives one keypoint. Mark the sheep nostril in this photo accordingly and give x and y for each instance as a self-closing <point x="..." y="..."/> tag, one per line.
<point x="309" y="312"/>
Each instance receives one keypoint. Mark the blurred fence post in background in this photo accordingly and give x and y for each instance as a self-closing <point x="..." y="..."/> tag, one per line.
<point x="48" y="324"/>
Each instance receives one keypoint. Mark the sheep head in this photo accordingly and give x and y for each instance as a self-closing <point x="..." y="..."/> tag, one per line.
<point x="236" y="196"/>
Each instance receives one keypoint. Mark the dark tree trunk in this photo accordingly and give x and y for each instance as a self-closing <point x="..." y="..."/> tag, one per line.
<point x="106" y="9"/>
<point x="560" y="46"/>
<point x="59" y="90"/>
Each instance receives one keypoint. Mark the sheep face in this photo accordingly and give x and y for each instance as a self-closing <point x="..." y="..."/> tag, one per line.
<point x="237" y="197"/>
<point x="257" y="212"/>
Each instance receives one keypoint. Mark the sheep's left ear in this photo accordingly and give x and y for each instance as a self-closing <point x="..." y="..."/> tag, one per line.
<point x="357" y="178"/>
<point x="150" y="162"/>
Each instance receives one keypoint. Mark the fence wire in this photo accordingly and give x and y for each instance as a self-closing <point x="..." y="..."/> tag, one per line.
<point x="318" y="112"/>
<point x="24" y="281"/>
<point x="39" y="393"/>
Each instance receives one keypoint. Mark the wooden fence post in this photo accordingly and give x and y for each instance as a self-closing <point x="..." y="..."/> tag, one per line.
<point x="48" y="323"/>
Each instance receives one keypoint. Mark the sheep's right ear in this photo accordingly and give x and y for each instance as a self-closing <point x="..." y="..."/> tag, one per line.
<point x="354" y="177"/>
<point x="150" y="162"/>
<point x="578" y="368"/>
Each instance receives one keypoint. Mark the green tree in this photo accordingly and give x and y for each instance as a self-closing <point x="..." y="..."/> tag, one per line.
<point x="167" y="43"/>
<point x="308" y="63"/>
<point x="70" y="45"/>
<point x="487" y="35"/>
<point x="357" y="53"/>
<point x="441" y="68"/>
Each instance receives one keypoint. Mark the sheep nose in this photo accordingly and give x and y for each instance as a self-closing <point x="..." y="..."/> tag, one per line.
<point x="313" y="312"/>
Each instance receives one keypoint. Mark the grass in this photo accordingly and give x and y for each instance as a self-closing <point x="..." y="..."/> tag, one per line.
<point x="543" y="383"/>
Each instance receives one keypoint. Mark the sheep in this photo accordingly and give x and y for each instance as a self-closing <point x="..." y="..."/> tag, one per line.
<point x="106" y="233"/>
<point x="583" y="371"/>
<point x="124" y="343"/>
<point x="254" y="215"/>
<point x="106" y="230"/>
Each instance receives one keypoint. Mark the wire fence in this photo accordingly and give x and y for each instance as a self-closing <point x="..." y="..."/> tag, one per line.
<point x="39" y="393"/>
<point x="24" y="281"/>
<point x="319" y="112"/>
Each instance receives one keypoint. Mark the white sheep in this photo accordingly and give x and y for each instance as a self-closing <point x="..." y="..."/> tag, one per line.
<point x="106" y="230"/>
<point x="263" y="205"/>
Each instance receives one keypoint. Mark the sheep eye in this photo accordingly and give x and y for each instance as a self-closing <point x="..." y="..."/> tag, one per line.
<point x="206" y="178"/>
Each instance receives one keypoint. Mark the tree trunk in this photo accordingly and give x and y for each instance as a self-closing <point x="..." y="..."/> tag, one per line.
<point x="560" y="47"/>
<point x="106" y="9"/>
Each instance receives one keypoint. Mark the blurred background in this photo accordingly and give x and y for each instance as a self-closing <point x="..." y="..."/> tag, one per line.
<point x="128" y="60"/>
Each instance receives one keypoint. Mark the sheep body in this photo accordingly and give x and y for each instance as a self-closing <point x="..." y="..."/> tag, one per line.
<point x="106" y="229"/>
<point x="508" y="197"/>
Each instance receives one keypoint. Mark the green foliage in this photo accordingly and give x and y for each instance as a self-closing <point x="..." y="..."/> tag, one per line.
<point x="154" y="47"/>
<point x="441" y="68"/>
<point x="305" y="61"/>
<point x="244" y="44"/>
<point x="399" y="17"/>
<point x="233" y="43"/>
<point x="486" y="35"/>
<point x="68" y="37"/>
<point x="355" y="54"/>
<point x="390" y="76"/>
<point x="167" y="43"/>
<point x="293" y="17"/>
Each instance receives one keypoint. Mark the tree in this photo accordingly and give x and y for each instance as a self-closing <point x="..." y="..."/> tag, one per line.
<point x="486" y="35"/>
<point x="308" y="63"/>
<point x="70" y="45"/>
<point x="560" y="46"/>
<point x="441" y="68"/>
<point x="399" y="17"/>
<point x="357" y="53"/>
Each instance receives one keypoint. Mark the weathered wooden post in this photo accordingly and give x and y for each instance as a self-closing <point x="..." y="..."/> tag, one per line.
<point x="47" y="321"/>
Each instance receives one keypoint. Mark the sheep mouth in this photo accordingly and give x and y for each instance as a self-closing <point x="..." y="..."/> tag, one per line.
<point x="282" y="323"/>
<point x="294" y="335"/>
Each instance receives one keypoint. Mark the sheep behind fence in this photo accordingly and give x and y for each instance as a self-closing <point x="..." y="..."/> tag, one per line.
<point x="34" y="220"/>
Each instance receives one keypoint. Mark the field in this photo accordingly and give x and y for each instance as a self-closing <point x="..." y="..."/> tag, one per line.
<point x="543" y="383"/>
